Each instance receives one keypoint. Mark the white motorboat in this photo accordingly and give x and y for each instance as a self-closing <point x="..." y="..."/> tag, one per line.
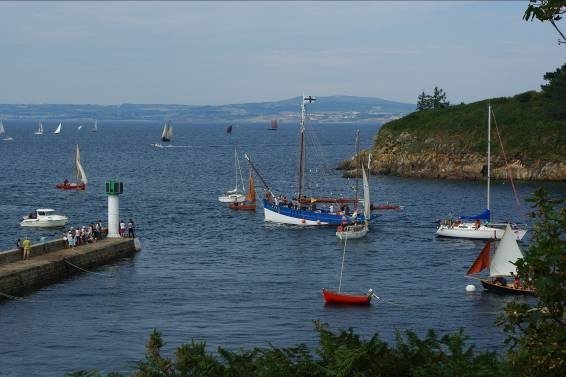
<point x="44" y="218"/>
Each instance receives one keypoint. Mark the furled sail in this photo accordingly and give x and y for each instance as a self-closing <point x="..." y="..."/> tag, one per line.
<point x="485" y="215"/>
<point x="367" y="205"/>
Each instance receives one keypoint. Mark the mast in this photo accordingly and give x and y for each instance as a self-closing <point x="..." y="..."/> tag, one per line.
<point x="358" y="165"/>
<point x="302" y="152"/>
<point x="488" y="154"/>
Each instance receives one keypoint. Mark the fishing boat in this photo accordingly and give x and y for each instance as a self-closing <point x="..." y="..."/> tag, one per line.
<point x="273" y="125"/>
<point x="44" y="218"/>
<point x="479" y="226"/>
<point x="339" y="297"/>
<point x="303" y="210"/>
<point x="358" y="229"/>
<point x="236" y="195"/>
<point x="249" y="203"/>
<point x="39" y="129"/>
<point x="501" y="265"/>
<point x="58" y="129"/>
<point x="3" y="132"/>
<point x="167" y="133"/>
<point x="95" y="126"/>
<point x="81" y="179"/>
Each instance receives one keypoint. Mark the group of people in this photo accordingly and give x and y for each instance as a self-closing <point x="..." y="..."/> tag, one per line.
<point x="131" y="229"/>
<point x="83" y="235"/>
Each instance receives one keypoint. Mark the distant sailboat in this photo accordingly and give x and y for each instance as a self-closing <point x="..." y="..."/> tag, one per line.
<point x="273" y="125"/>
<point x="79" y="127"/>
<point x="39" y="129"/>
<point x="95" y="126"/>
<point x="249" y="204"/>
<point x="235" y="195"/>
<point x="58" y="130"/>
<point x="80" y="175"/>
<point x="167" y="133"/>
<point x="229" y="130"/>
<point x="3" y="132"/>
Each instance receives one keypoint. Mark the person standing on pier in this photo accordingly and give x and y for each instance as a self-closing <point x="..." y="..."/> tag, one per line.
<point x="131" y="227"/>
<point x="27" y="248"/>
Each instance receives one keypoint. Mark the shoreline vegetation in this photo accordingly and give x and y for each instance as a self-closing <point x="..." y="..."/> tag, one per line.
<point x="451" y="142"/>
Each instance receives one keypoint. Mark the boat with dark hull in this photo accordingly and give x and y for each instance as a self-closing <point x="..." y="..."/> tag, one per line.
<point x="498" y="287"/>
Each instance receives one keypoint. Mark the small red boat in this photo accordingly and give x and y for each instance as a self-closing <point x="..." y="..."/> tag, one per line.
<point x="71" y="186"/>
<point x="333" y="297"/>
<point x="386" y="206"/>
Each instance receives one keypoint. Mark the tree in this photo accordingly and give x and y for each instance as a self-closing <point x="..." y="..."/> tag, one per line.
<point x="537" y="334"/>
<point x="439" y="99"/>
<point x="423" y="101"/>
<point x="547" y="10"/>
<point x="554" y="93"/>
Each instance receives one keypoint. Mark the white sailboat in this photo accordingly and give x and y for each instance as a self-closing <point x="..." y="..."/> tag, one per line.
<point x="79" y="127"/>
<point x="358" y="229"/>
<point x="167" y="133"/>
<point x="472" y="226"/>
<point x="58" y="129"/>
<point x="501" y="265"/>
<point x="80" y="175"/>
<point x="95" y="126"/>
<point x="236" y="195"/>
<point x="39" y="129"/>
<point x="3" y="132"/>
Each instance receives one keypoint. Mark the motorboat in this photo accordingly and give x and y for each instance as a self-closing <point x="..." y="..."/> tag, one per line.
<point x="44" y="218"/>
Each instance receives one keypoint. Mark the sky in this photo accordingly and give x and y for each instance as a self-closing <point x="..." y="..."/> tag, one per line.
<point x="214" y="53"/>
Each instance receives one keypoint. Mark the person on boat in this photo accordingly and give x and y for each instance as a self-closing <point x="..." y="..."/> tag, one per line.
<point x="516" y="281"/>
<point x="66" y="183"/>
<point x="477" y="223"/>
<point x="331" y="208"/>
<point x="500" y="280"/>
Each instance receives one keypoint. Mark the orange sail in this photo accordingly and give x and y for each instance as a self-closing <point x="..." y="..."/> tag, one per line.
<point x="250" y="197"/>
<point x="482" y="261"/>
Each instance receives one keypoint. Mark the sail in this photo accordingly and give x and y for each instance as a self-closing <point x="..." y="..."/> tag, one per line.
<point x="95" y="127"/>
<point x="482" y="261"/>
<point x="2" y="130"/>
<point x="250" y="197"/>
<point x="485" y="215"/>
<point x="367" y="205"/>
<point x="506" y="253"/>
<point x="229" y="129"/>
<point x="79" y="171"/>
<point x="58" y="130"/>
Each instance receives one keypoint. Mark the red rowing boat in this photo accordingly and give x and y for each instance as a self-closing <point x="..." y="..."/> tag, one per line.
<point x="249" y="203"/>
<point x="333" y="297"/>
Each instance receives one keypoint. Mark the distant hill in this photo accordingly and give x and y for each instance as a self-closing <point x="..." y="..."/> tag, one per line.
<point x="332" y="109"/>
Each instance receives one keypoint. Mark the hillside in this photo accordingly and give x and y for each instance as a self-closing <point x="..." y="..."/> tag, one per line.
<point x="332" y="109"/>
<point x="452" y="142"/>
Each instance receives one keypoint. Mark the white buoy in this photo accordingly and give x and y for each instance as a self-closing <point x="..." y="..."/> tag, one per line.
<point x="470" y="288"/>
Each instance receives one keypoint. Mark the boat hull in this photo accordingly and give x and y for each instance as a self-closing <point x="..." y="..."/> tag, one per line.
<point x="45" y="223"/>
<point x="232" y="198"/>
<point x="284" y="215"/>
<point x="242" y="207"/>
<point x="352" y="232"/>
<point x="71" y="186"/>
<point x="481" y="233"/>
<point x="333" y="297"/>
<point x="490" y="285"/>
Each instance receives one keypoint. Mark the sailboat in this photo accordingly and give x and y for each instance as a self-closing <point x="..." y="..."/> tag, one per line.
<point x="95" y="126"/>
<point x="358" y="229"/>
<point x="302" y="210"/>
<point x="39" y="129"/>
<point x="249" y="202"/>
<point x="3" y="132"/>
<point x="472" y="226"/>
<point x="338" y="297"/>
<point x="58" y="130"/>
<point x="167" y="132"/>
<point x="273" y="125"/>
<point x="501" y="265"/>
<point x="81" y="179"/>
<point x="235" y="195"/>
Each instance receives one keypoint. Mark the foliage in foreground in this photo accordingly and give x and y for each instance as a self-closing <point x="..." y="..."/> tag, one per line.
<point x="338" y="354"/>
